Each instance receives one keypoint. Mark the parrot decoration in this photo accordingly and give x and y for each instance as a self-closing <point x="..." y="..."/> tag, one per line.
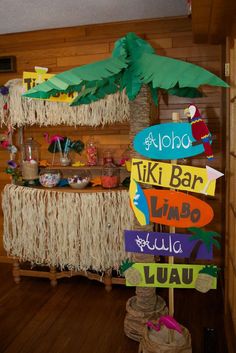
<point x="200" y="131"/>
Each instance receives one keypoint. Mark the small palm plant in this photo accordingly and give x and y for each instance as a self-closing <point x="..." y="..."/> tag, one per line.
<point x="203" y="237"/>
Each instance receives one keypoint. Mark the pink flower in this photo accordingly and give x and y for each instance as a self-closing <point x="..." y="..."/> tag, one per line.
<point x="5" y="144"/>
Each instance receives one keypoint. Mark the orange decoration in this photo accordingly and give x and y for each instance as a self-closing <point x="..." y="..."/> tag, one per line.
<point x="177" y="209"/>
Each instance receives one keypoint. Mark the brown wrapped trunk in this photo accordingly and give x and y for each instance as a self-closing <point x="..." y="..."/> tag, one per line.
<point x="145" y="304"/>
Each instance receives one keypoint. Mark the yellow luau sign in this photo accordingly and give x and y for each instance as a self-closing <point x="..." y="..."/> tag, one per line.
<point x="31" y="79"/>
<point x="168" y="276"/>
<point x="181" y="177"/>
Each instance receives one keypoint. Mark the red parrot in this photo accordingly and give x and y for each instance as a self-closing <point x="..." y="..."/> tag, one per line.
<point x="199" y="129"/>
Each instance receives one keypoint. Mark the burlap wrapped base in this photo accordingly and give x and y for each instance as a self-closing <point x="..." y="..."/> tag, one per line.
<point x="165" y="341"/>
<point x="136" y="319"/>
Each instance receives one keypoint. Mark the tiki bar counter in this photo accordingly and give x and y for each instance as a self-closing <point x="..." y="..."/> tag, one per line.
<point x="66" y="228"/>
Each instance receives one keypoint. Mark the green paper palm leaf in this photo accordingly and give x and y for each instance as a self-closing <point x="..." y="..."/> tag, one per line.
<point x="96" y="90"/>
<point x="131" y="82"/>
<point x="132" y="64"/>
<point x="189" y="92"/>
<point x="167" y="73"/>
<point x="74" y="79"/>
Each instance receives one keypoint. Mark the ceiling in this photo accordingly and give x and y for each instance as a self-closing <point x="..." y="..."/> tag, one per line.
<point x="212" y="20"/>
<point x="29" y="15"/>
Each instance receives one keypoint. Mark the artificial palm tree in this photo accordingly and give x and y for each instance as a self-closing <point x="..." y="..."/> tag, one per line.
<point x="133" y="64"/>
<point x="135" y="67"/>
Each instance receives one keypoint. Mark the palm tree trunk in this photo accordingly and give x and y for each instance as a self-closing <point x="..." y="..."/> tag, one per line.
<point x="145" y="304"/>
<point x="194" y="252"/>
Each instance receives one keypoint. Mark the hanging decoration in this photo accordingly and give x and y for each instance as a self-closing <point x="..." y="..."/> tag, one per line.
<point x="22" y="112"/>
<point x="132" y="64"/>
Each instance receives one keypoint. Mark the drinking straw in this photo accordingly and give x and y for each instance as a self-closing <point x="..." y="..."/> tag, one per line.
<point x="66" y="148"/>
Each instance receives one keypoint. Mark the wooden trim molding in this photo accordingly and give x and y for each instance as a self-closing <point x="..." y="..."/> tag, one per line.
<point x="229" y="332"/>
<point x="6" y="259"/>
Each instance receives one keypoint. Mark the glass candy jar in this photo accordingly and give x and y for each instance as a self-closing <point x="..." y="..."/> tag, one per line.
<point x="29" y="159"/>
<point x="49" y="177"/>
<point x="110" y="176"/>
<point x="91" y="152"/>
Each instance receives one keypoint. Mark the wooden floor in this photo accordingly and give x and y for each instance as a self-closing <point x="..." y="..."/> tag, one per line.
<point x="80" y="317"/>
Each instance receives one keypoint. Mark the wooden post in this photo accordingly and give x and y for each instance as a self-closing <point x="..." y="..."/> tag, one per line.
<point x="175" y="119"/>
<point x="16" y="271"/>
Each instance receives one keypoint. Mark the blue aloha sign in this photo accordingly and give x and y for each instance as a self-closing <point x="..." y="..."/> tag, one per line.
<point x="167" y="141"/>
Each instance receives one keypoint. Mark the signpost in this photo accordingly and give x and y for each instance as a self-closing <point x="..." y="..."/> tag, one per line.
<point x="167" y="141"/>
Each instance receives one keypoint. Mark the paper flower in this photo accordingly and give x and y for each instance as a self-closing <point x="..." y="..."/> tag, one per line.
<point x="12" y="169"/>
<point x="4" y="90"/>
<point x="11" y="164"/>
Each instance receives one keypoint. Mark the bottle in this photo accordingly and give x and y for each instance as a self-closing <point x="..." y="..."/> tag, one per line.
<point x="110" y="173"/>
<point x="91" y="152"/>
<point x="29" y="159"/>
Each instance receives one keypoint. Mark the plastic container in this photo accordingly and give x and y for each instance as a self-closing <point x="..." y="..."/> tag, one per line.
<point x="29" y="159"/>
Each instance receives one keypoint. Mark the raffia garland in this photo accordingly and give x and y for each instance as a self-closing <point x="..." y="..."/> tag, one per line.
<point x="79" y="230"/>
<point x="113" y="108"/>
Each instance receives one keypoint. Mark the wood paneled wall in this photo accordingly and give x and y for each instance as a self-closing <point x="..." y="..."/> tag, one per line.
<point x="61" y="49"/>
<point x="230" y="243"/>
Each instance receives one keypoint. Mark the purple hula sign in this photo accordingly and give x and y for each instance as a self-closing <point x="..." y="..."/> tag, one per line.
<point x="165" y="244"/>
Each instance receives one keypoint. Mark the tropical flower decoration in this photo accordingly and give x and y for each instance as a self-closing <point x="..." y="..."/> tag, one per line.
<point x="63" y="144"/>
<point x="4" y="142"/>
<point x="4" y="91"/>
<point x="13" y="170"/>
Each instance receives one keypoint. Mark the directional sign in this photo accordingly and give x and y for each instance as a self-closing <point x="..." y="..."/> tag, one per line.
<point x="165" y="244"/>
<point x="167" y="276"/>
<point x="31" y="79"/>
<point x="167" y="141"/>
<point x="169" y="207"/>
<point x="181" y="177"/>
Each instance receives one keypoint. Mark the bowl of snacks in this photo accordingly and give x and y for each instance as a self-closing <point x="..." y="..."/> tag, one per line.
<point x="79" y="180"/>
<point x="49" y="178"/>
